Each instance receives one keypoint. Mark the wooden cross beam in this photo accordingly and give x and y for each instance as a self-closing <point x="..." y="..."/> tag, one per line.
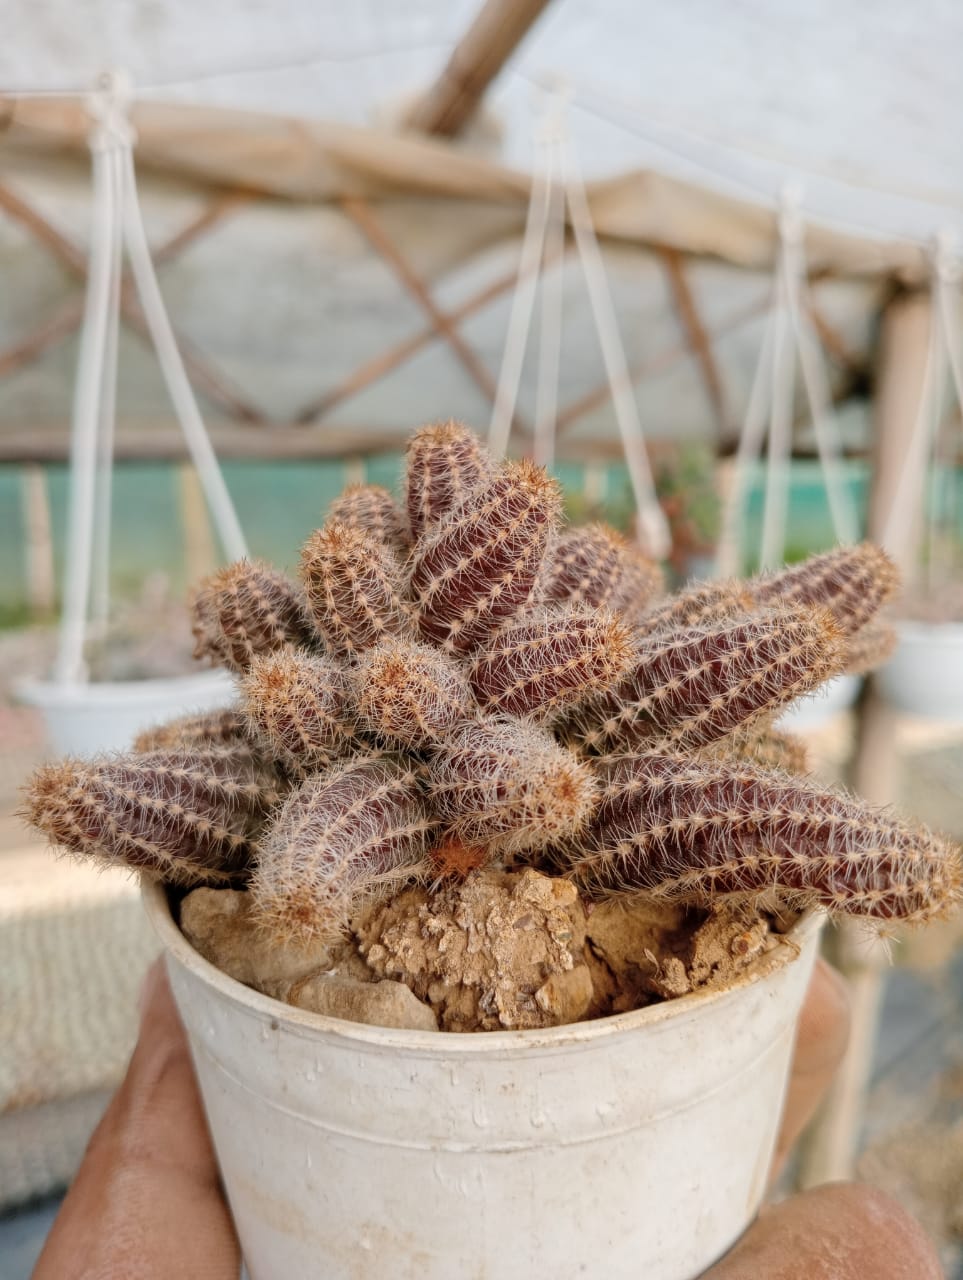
<point x="67" y="318"/>
<point x="476" y="60"/>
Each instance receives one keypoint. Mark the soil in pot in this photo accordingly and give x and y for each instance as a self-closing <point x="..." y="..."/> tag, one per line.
<point x="499" y="950"/>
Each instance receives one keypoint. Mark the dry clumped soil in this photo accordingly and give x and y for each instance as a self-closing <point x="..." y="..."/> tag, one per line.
<point x="499" y="950"/>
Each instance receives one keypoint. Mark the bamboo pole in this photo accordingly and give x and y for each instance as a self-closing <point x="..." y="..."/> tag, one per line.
<point x="830" y="1150"/>
<point x="476" y="60"/>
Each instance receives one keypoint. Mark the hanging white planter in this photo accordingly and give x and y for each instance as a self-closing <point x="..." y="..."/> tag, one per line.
<point x="83" y="715"/>
<point x="82" y="719"/>
<point x="924" y="677"/>
<point x="821" y="707"/>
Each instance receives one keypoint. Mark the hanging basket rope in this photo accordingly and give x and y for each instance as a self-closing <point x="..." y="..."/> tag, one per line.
<point x="788" y="334"/>
<point x="117" y="224"/>
<point x="557" y="189"/>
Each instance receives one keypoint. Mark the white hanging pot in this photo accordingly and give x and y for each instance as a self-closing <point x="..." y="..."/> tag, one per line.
<point x="818" y="709"/>
<point x="83" y="719"/>
<point x="924" y="677"/>
<point x="635" y="1145"/>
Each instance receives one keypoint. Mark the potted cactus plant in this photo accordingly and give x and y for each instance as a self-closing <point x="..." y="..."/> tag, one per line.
<point x="482" y="777"/>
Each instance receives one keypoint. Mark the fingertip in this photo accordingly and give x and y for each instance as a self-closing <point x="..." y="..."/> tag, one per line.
<point x="824" y="1022"/>
<point x="842" y="1231"/>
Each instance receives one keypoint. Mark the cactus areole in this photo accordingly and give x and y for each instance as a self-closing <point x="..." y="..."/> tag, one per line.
<point x="456" y="685"/>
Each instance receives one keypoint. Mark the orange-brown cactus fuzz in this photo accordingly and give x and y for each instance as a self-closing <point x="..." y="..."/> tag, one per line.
<point x="869" y="647"/>
<point x="702" y="604"/>
<point x="759" y="743"/>
<point x="410" y="695"/>
<point x="353" y="586"/>
<point x="700" y="832"/>
<point x="220" y="728"/>
<point x="510" y="788"/>
<point x="852" y="582"/>
<point x="372" y="510"/>
<point x="246" y="609"/>
<point x="444" y="462"/>
<point x="297" y="706"/>
<point x="549" y="660"/>
<point x="595" y="565"/>
<point x="479" y="566"/>
<point x="340" y="838"/>
<point x="185" y="817"/>
<point x="693" y="686"/>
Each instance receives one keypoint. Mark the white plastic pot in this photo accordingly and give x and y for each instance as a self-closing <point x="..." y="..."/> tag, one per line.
<point x="924" y="677"/>
<point x="82" y="719"/>
<point x="816" y="710"/>
<point x="632" y="1146"/>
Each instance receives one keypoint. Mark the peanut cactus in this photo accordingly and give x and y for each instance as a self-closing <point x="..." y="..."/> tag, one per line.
<point x="594" y="565"/>
<point x="353" y="586"/>
<point x="548" y="660"/>
<point x="701" y="831"/>
<point x="691" y="686"/>
<point x="479" y="565"/>
<point x="245" y="609"/>
<point x="370" y="509"/>
<point x="444" y="462"/>
<point x="187" y="817"/>
<point x="510" y="788"/>
<point x="500" y="693"/>
<point x="342" y="836"/>
<point x="410" y="695"/>
<point x="220" y="728"/>
<point x="297" y="706"/>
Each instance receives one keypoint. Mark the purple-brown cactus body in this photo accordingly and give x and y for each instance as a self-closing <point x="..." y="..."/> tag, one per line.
<point x="298" y="706"/>
<point x="340" y="837"/>
<point x="187" y="817"/>
<point x="548" y="660"/>
<point x="410" y="695"/>
<point x="353" y="586"/>
<point x="444" y="462"/>
<point x="701" y="831"/>
<point x="852" y="582"/>
<point x="594" y="565"/>
<point x="371" y="509"/>
<point x="692" y="686"/>
<point x="510" y="788"/>
<point x="480" y="565"/>
<point x="247" y="609"/>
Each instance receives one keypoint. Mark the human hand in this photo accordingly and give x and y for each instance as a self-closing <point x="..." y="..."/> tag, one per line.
<point x="147" y="1202"/>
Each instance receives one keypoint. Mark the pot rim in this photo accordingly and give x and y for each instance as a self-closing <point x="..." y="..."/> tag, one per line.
<point x="157" y="906"/>
<point x="922" y="629"/>
<point x="52" y="693"/>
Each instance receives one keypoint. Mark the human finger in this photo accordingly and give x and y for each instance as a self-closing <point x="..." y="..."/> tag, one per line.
<point x="843" y="1231"/>
<point x="147" y="1200"/>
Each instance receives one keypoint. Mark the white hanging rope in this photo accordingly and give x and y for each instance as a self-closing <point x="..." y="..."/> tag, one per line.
<point x="85" y="419"/>
<point x="100" y="601"/>
<point x="117" y="222"/>
<point x="523" y="298"/>
<point x="789" y="332"/>
<point x="550" y="328"/>
<point x="546" y="224"/>
<point x="732" y="523"/>
<point x="172" y="367"/>
<point x="653" y="528"/>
